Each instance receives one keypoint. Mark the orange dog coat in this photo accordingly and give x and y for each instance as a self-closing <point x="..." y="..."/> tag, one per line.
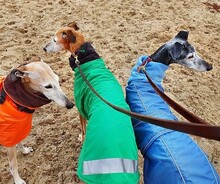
<point x="14" y="124"/>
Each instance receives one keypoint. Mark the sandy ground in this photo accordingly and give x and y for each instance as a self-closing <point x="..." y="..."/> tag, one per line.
<point x="121" y="31"/>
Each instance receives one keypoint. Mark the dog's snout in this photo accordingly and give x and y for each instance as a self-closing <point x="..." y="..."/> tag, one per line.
<point x="69" y="105"/>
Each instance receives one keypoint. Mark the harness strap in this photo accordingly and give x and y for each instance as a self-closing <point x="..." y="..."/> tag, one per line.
<point x="204" y="130"/>
<point x="20" y="107"/>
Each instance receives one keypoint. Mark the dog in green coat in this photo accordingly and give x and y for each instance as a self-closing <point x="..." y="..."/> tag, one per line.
<point x="109" y="152"/>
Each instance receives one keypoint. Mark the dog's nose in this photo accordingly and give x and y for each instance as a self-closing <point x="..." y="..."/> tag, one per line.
<point x="209" y="67"/>
<point x="69" y="105"/>
<point x="45" y="49"/>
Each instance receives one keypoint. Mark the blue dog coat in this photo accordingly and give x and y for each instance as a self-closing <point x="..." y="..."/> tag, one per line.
<point x="170" y="157"/>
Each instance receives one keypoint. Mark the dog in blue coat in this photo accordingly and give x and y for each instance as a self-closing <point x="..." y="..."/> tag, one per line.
<point x="170" y="157"/>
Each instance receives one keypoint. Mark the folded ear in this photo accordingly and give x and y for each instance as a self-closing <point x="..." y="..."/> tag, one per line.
<point x="20" y="70"/>
<point x="19" y="73"/>
<point x="69" y="36"/>
<point x="175" y="50"/>
<point x="183" y="35"/>
<point x="16" y="74"/>
<point x="73" y="25"/>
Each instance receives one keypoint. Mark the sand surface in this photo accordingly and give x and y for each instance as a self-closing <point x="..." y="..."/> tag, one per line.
<point x="121" y="31"/>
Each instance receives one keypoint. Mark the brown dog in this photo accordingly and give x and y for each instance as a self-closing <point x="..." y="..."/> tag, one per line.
<point x="23" y="90"/>
<point x="109" y="152"/>
<point x="68" y="38"/>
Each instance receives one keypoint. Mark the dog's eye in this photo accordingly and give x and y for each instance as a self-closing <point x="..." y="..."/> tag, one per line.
<point x="54" y="40"/>
<point x="48" y="86"/>
<point x="190" y="56"/>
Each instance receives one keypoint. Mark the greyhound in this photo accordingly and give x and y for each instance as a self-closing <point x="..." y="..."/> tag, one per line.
<point x="169" y="156"/>
<point x="65" y="39"/>
<point x="23" y="90"/>
<point x="115" y="159"/>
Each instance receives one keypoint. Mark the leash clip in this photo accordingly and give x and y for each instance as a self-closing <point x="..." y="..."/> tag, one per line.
<point x="141" y="68"/>
<point x="144" y="63"/>
<point x="76" y="59"/>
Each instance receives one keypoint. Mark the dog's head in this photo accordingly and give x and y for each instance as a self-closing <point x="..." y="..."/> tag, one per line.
<point x="179" y="50"/>
<point x="40" y="78"/>
<point x="67" y="38"/>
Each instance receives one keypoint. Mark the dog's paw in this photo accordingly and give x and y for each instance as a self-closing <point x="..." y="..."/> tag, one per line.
<point x="17" y="179"/>
<point x="80" y="138"/>
<point x="26" y="150"/>
<point x="20" y="181"/>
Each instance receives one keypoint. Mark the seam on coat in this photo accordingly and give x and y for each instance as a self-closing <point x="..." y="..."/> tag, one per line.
<point x="140" y="97"/>
<point x="216" y="179"/>
<point x="174" y="161"/>
<point x="165" y="131"/>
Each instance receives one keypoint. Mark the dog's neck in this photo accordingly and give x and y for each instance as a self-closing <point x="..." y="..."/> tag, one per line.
<point x="161" y="56"/>
<point x="17" y="91"/>
<point x="86" y="53"/>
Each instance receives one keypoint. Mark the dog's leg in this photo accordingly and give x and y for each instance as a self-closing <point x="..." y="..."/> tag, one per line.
<point x="83" y="126"/>
<point x="24" y="150"/>
<point x="14" y="165"/>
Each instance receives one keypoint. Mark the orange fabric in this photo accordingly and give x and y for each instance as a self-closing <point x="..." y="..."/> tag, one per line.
<point x="14" y="124"/>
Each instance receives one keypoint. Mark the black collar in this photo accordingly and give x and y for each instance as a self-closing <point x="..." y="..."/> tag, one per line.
<point x="85" y="54"/>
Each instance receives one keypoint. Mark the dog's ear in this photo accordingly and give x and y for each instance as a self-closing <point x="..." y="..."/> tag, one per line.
<point x="16" y="74"/>
<point x="175" y="51"/>
<point x="73" y="25"/>
<point x="20" y="73"/>
<point x="69" y="36"/>
<point x="183" y="35"/>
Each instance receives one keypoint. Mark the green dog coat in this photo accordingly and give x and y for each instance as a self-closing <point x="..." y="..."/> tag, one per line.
<point x="109" y="153"/>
